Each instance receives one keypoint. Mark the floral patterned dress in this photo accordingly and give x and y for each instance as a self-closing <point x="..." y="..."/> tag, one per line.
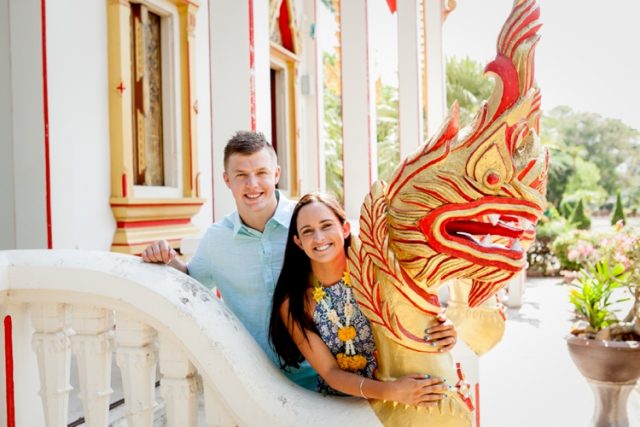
<point x="336" y="296"/>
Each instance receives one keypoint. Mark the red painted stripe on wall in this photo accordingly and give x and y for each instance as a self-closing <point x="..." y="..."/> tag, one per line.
<point x="8" y="369"/>
<point x="344" y="170"/>
<point x="213" y="179"/>
<point x="191" y="22"/>
<point x="141" y="205"/>
<point x="477" y="404"/>
<point x="366" y="30"/>
<point x="124" y="185"/>
<point x="317" y="91"/>
<point x="160" y="222"/>
<point x="252" y="77"/>
<point x="45" y="105"/>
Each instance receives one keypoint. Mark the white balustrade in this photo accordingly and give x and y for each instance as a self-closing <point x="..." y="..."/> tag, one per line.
<point x="92" y="346"/>
<point x="137" y="358"/>
<point x="178" y="385"/>
<point x="53" y="349"/>
<point x="77" y="299"/>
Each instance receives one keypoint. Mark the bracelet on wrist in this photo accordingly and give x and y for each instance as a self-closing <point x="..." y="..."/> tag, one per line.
<point x="361" y="391"/>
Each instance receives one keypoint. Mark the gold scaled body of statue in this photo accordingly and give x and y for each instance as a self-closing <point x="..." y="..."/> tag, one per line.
<point x="461" y="210"/>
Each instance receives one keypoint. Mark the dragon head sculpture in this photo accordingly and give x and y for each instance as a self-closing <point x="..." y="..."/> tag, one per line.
<point x="465" y="204"/>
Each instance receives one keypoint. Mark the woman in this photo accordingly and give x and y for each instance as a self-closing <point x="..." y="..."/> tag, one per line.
<point x="315" y="316"/>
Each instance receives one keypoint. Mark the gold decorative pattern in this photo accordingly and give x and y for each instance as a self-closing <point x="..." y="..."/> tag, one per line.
<point x="458" y="211"/>
<point x="134" y="53"/>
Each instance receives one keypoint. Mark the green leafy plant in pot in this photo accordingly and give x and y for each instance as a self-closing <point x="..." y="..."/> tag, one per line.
<point x="605" y="350"/>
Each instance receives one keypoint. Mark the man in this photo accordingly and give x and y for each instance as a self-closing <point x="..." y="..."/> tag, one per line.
<point x="242" y="254"/>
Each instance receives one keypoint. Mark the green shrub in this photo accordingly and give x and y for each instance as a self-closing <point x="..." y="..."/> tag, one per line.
<point x="618" y="211"/>
<point x="580" y="218"/>
<point x="549" y="231"/>
<point x="567" y="207"/>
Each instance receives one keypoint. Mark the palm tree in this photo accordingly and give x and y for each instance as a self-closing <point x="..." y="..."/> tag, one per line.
<point x="467" y="84"/>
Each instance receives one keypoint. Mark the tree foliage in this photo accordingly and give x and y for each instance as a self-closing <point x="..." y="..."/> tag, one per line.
<point x="579" y="141"/>
<point x="332" y="127"/>
<point x="387" y="131"/>
<point x="467" y="84"/>
<point x="580" y="217"/>
<point x="618" y="211"/>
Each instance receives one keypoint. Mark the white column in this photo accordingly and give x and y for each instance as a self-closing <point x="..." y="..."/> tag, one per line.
<point x="435" y="65"/>
<point x="358" y="105"/>
<point x="137" y="357"/>
<point x="53" y="349"/>
<point x="7" y="194"/>
<point x="239" y="90"/>
<point x="311" y="129"/>
<point x="93" y="345"/>
<point x="409" y="77"/>
<point x="28" y="124"/>
<point x="178" y="385"/>
<point x="515" y="290"/>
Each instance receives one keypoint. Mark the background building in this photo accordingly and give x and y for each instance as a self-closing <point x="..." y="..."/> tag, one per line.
<point x="114" y="113"/>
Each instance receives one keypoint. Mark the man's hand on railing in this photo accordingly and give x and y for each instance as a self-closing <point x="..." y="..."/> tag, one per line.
<point x="162" y="252"/>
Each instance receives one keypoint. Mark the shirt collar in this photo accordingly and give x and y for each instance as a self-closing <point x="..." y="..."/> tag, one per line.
<point x="282" y="216"/>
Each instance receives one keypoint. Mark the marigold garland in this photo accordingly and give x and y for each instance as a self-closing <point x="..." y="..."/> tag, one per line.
<point x="348" y="360"/>
<point x="347" y="333"/>
<point x="353" y="363"/>
<point x="318" y="293"/>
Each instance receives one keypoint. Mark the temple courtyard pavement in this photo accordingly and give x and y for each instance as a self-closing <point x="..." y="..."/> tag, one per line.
<point x="528" y="379"/>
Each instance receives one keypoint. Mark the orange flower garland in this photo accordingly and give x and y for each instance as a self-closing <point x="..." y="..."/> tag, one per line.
<point x="346" y="333"/>
<point x="353" y="363"/>
<point x="348" y="360"/>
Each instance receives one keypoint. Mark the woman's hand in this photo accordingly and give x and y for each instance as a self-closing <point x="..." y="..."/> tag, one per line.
<point x="443" y="335"/>
<point x="417" y="390"/>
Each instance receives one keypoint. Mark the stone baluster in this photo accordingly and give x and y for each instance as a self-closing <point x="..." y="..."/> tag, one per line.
<point x="137" y="357"/>
<point x="51" y="344"/>
<point x="178" y="385"/>
<point x="92" y="345"/>
<point x="215" y="412"/>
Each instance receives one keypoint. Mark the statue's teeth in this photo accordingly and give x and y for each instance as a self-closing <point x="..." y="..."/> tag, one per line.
<point x="494" y="218"/>
<point x="515" y="246"/>
<point x="486" y="240"/>
<point x="525" y="224"/>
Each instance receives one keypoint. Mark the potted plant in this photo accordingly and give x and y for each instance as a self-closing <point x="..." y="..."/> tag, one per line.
<point x="606" y="350"/>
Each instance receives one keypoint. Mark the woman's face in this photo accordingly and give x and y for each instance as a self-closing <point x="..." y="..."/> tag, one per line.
<point x="320" y="233"/>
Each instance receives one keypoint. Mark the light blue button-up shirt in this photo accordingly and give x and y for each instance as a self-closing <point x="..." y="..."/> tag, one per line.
<point x="244" y="264"/>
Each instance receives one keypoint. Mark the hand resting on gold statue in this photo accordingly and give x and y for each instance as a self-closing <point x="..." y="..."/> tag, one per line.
<point x="443" y="335"/>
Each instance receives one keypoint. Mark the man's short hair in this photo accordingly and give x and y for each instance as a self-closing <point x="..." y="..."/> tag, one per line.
<point x="246" y="143"/>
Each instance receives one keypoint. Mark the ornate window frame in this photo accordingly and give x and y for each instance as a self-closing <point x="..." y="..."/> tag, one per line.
<point x="144" y="215"/>
<point x="284" y="59"/>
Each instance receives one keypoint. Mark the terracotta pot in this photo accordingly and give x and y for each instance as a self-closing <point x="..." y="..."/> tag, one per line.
<point x="612" y="370"/>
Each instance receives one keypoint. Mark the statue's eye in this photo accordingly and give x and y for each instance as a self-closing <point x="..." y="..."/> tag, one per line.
<point x="492" y="179"/>
<point x="490" y="163"/>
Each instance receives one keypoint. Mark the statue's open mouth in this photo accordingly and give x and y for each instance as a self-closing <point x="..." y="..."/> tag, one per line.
<point x="488" y="231"/>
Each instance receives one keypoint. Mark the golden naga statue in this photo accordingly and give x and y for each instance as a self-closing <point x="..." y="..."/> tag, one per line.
<point x="460" y="211"/>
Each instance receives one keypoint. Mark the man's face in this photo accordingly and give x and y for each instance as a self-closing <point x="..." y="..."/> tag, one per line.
<point x="252" y="180"/>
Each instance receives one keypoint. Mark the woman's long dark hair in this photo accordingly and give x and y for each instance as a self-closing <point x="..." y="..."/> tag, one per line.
<point x="293" y="284"/>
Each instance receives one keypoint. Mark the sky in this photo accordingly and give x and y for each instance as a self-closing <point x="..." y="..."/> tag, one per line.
<point x="588" y="57"/>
